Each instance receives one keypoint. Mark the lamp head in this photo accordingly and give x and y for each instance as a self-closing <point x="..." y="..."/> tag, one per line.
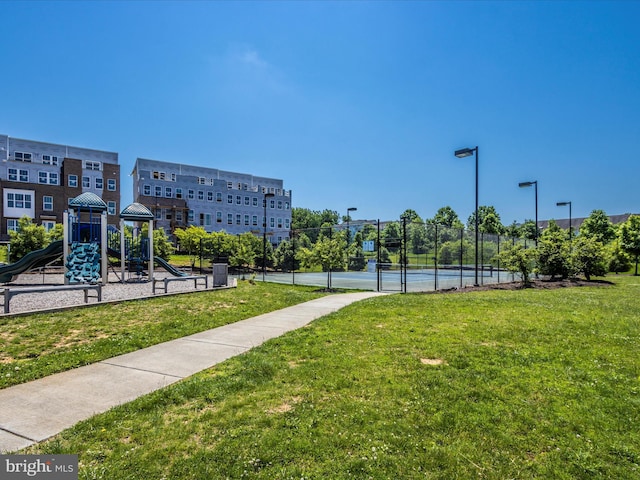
<point x="464" y="152"/>
<point x="563" y="204"/>
<point x="351" y="209"/>
<point x="526" y="184"/>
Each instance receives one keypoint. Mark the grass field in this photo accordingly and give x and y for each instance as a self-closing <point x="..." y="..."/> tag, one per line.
<point x="528" y="384"/>
<point x="34" y="346"/>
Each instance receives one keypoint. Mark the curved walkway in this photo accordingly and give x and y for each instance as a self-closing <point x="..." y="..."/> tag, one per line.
<point x="35" y="411"/>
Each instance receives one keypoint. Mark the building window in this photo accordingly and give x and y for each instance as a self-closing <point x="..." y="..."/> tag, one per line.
<point x="201" y="180"/>
<point x="50" y="160"/>
<point x="158" y="191"/>
<point x="279" y="204"/>
<point x="99" y="183"/>
<point x="47" y="202"/>
<point x="179" y="216"/>
<point x="230" y="218"/>
<point x="92" y="165"/>
<point x="158" y="213"/>
<point x="272" y="222"/>
<point x="255" y="201"/>
<point x="22" y="156"/>
<point x="168" y="215"/>
<point x="238" y="219"/>
<point x="48" y="178"/>
<point x="210" y="196"/>
<point x="12" y="225"/>
<point x="272" y="204"/>
<point x="246" y="201"/>
<point x="238" y="200"/>
<point x="111" y="184"/>
<point x="18" y="200"/>
<point x="207" y="220"/>
<point x="111" y="208"/>
<point x="229" y="198"/>
<point x="254" y="220"/>
<point x="168" y="192"/>
<point x="16" y="175"/>
<point x="48" y="225"/>
<point x="191" y="193"/>
<point x="178" y="193"/>
<point x="86" y="182"/>
<point x="229" y="185"/>
<point x="146" y="190"/>
<point x="246" y="219"/>
<point x="190" y="216"/>
<point x="72" y="181"/>
<point x="219" y="217"/>
<point x="286" y="205"/>
<point x="286" y="223"/>
<point x="279" y="222"/>
<point x="173" y="177"/>
<point x="200" y="195"/>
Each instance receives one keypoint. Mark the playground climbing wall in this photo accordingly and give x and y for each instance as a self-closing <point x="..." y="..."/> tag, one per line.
<point x="83" y="263"/>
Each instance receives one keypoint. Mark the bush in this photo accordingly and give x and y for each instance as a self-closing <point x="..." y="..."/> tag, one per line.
<point x="588" y="257"/>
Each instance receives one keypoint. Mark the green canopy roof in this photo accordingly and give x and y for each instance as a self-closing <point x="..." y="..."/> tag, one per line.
<point x="87" y="201"/>
<point x="136" y="211"/>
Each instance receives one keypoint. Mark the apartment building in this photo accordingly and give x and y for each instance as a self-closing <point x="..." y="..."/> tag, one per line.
<point x="180" y="195"/>
<point x="37" y="180"/>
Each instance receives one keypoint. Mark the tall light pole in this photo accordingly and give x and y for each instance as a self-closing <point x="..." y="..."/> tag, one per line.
<point x="264" y="234"/>
<point x="349" y="210"/>
<point x="462" y="153"/>
<point x="528" y="184"/>
<point x="564" y="204"/>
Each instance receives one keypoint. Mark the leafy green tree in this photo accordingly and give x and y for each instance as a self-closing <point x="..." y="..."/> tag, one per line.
<point x="529" y="229"/>
<point x="190" y="241"/>
<point x="310" y="221"/>
<point x="598" y="226"/>
<point x="518" y="259"/>
<point x="27" y="238"/>
<point x="284" y="257"/>
<point x="588" y="257"/>
<point x="513" y="230"/>
<point x="392" y="236"/>
<point x="553" y="252"/>
<point x="329" y="253"/>
<point x="357" y="261"/>
<point x="244" y="251"/>
<point x="630" y="238"/>
<point x="56" y="233"/>
<point x="618" y="260"/>
<point x="488" y="220"/>
<point x="449" y="225"/>
<point x="219" y="246"/>
<point x="162" y="246"/>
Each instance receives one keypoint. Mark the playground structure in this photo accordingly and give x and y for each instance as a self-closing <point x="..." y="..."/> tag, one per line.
<point x="88" y="242"/>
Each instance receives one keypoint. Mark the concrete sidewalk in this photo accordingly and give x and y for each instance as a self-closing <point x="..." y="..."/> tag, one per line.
<point x="35" y="411"/>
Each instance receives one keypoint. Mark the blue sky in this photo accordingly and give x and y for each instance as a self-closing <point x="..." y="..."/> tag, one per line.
<point x="352" y="104"/>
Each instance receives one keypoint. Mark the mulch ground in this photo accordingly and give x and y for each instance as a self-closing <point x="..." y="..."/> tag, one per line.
<point x="535" y="284"/>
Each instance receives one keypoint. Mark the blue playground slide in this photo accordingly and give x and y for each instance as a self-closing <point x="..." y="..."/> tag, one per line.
<point x="32" y="260"/>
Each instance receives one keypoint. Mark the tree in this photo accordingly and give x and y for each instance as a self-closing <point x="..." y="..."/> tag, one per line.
<point x="27" y="238"/>
<point x="529" y="229"/>
<point x="598" y="226"/>
<point x="447" y="217"/>
<point x="284" y="257"/>
<point x="588" y="257"/>
<point x="56" y="233"/>
<point x="162" y="247"/>
<point x="519" y="259"/>
<point x="553" y="252"/>
<point x="190" y="240"/>
<point x="244" y="252"/>
<point x="630" y="238"/>
<point x="312" y="220"/>
<point x="391" y="236"/>
<point x="513" y="230"/>
<point x="488" y="220"/>
<point x="355" y="254"/>
<point x="618" y="259"/>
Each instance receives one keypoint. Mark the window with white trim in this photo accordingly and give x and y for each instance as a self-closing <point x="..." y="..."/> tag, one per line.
<point x="218" y="196"/>
<point x="72" y="181"/>
<point x="50" y="160"/>
<point x="168" y="192"/>
<point x="146" y="190"/>
<point x="86" y="182"/>
<point x="48" y="178"/>
<point x="48" y="225"/>
<point x="111" y="208"/>
<point x="158" y="190"/>
<point x="178" y="192"/>
<point x="19" y="200"/>
<point x="254" y="220"/>
<point x="238" y="219"/>
<point x="201" y="180"/>
<point x="209" y="196"/>
<point x="88" y="165"/>
<point x="111" y="184"/>
<point x="246" y="220"/>
<point x="47" y="203"/>
<point x="178" y="215"/>
<point x="238" y="200"/>
<point x="190" y="217"/>
<point x="200" y="195"/>
<point x="22" y="156"/>
<point x="99" y="183"/>
<point x="218" y="217"/>
<point x="12" y="224"/>
<point x="230" y="218"/>
<point x="255" y="201"/>
<point x="229" y="198"/>
<point x="191" y="194"/>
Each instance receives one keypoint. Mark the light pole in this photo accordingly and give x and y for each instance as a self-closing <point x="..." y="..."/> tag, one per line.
<point x="462" y="153"/>
<point x="264" y="235"/>
<point x="564" y="204"/>
<point x="528" y="184"/>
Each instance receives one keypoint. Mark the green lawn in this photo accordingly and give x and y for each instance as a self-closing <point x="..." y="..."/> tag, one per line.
<point x="34" y="346"/>
<point x="528" y="384"/>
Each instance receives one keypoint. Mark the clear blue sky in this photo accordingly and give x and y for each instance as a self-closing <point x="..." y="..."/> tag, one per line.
<point x="352" y="104"/>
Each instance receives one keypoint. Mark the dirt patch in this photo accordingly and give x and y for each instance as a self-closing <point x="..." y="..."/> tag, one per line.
<point x="432" y="361"/>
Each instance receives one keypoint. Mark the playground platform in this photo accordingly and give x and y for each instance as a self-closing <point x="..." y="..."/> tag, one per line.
<point x="35" y="411"/>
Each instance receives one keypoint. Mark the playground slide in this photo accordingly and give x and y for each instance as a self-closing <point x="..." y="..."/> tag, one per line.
<point x="32" y="260"/>
<point x="169" y="268"/>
